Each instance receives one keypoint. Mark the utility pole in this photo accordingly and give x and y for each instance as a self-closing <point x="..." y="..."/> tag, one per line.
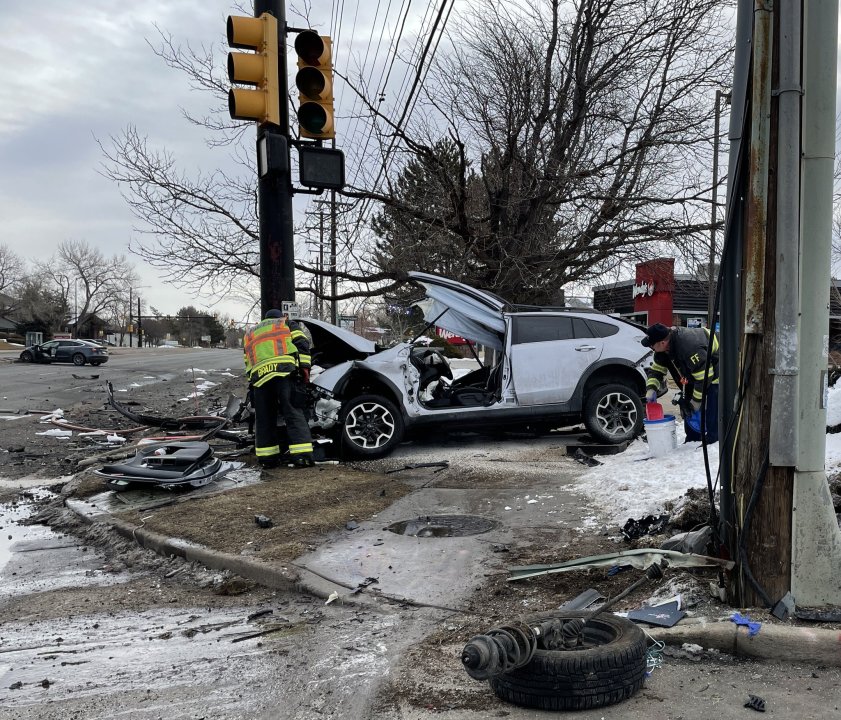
<point x="334" y="291"/>
<point x="139" y="325"/>
<point x="130" y="325"/>
<point x="777" y="524"/>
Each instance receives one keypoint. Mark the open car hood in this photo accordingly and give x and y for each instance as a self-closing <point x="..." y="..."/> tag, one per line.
<point x="333" y="345"/>
<point x="469" y="313"/>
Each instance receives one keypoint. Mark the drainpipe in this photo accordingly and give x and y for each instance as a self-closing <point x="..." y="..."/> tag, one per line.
<point x="784" y="424"/>
<point x="816" y="540"/>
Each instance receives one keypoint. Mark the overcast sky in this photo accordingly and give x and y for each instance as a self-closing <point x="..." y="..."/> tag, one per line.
<point x="74" y="73"/>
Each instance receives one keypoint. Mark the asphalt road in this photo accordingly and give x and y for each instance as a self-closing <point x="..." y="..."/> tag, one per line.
<point x="44" y="387"/>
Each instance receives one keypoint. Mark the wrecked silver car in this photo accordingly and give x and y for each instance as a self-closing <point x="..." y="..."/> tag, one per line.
<point x="549" y="367"/>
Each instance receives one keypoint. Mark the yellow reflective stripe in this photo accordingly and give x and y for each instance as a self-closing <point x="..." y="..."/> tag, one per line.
<point x="263" y="380"/>
<point x="658" y="368"/>
<point x="696" y="394"/>
<point x="300" y="448"/>
<point x="298" y="333"/>
<point x="652" y="383"/>
<point x="304" y="359"/>
<point x="266" y="451"/>
<point x="699" y="374"/>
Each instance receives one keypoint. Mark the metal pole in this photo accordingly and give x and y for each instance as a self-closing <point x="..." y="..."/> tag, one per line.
<point x="139" y="325"/>
<point x="719" y="96"/>
<point x="333" y="281"/>
<point x="131" y="329"/>
<point x="274" y="191"/>
<point x="320" y="283"/>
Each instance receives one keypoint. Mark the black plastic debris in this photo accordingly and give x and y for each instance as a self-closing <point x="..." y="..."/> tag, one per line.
<point x="187" y="463"/>
<point x="649" y="525"/>
<point x="755" y="703"/>
<point x="263" y="521"/>
<point x="784" y="607"/>
<point x="442" y="465"/>
<point x="665" y="615"/>
<point x="580" y="456"/>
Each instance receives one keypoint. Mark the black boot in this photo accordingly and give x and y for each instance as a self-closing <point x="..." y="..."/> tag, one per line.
<point x="301" y="461"/>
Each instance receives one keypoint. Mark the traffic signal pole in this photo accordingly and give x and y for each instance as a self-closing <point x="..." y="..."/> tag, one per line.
<point x="274" y="189"/>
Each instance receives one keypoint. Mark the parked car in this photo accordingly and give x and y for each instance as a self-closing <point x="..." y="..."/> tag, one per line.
<point x="76" y="351"/>
<point x="551" y="367"/>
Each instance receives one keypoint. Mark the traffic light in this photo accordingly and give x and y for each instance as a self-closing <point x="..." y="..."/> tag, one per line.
<point x="260" y="69"/>
<point x="315" y="85"/>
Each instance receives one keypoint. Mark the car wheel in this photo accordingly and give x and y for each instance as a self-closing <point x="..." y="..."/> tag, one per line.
<point x="613" y="413"/>
<point x="26" y="356"/>
<point x="371" y="426"/>
<point x="607" y="668"/>
<point x="78" y="359"/>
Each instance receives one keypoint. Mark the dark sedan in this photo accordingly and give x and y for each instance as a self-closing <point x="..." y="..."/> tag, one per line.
<point x="76" y="351"/>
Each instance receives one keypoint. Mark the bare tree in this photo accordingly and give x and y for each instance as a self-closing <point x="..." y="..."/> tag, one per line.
<point x="579" y="134"/>
<point x="12" y="268"/>
<point x="86" y="281"/>
<point x="579" y="137"/>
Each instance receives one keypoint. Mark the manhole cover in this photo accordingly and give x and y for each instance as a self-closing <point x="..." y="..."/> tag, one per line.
<point x="443" y="526"/>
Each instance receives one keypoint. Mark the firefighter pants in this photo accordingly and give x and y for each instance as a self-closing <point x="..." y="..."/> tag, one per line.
<point x="273" y="395"/>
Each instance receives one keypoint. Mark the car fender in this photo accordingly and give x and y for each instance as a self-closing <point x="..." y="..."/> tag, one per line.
<point x="336" y="380"/>
<point x="576" y="402"/>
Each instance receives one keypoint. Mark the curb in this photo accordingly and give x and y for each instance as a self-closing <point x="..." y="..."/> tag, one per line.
<point x="262" y="573"/>
<point x="808" y="645"/>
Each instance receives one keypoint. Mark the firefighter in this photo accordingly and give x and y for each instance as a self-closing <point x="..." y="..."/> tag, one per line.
<point x="277" y="358"/>
<point x="683" y="352"/>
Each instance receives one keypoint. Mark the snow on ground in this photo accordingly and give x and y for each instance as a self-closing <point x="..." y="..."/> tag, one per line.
<point x="632" y="484"/>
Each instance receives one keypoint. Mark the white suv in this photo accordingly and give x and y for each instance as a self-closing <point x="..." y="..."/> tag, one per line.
<point x="551" y="367"/>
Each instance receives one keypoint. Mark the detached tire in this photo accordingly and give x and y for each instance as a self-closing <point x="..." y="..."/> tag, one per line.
<point x="371" y="426"/>
<point x="613" y="413"/>
<point x="609" y="668"/>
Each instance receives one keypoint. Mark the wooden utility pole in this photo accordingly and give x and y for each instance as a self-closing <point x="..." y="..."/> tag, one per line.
<point x="760" y="540"/>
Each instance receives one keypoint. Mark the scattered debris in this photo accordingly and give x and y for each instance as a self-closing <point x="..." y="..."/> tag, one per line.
<point x="753" y="627"/>
<point x="580" y="456"/>
<point x="85" y="377"/>
<point x="638" y="557"/>
<point x="649" y="525"/>
<point x="331" y="598"/>
<point x="172" y="464"/>
<point x="696" y="541"/>
<point x="665" y="615"/>
<point x="819" y="615"/>
<point x="784" y="607"/>
<point x="755" y="703"/>
<point x="263" y="521"/>
<point x="583" y="601"/>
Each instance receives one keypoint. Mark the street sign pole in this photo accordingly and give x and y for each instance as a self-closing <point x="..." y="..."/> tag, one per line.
<point x="274" y="189"/>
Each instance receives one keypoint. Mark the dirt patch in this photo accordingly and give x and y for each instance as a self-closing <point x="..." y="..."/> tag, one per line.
<point x="304" y="506"/>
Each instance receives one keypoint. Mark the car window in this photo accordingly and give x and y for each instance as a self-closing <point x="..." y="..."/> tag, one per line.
<point x="581" y="329"/>
<point x="602" y="329"/>
<point x="50" y="344"/>
<point x="540" y="328"/>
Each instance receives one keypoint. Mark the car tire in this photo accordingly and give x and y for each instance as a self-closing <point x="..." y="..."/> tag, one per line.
<point x="613" y="413"/>
<point x="26" y="356"/>
<point x="372" y="426"/>
<point x="78" y="359"/>
<point x="609" y="668"/>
